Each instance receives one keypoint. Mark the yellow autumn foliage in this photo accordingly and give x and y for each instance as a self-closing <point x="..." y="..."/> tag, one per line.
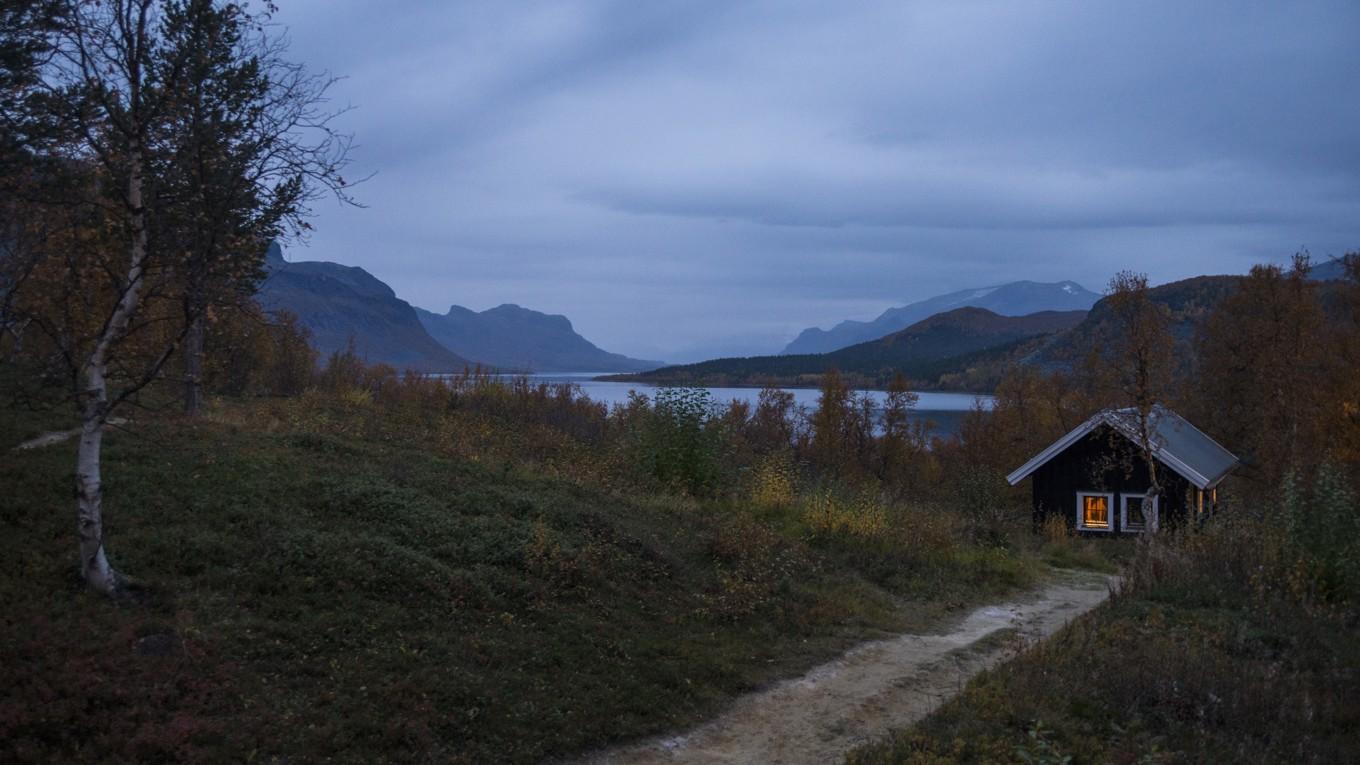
<point x="773" y="482"/>
<point x="863" y="516"/>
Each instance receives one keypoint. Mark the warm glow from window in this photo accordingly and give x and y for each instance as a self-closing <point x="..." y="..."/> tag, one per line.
<point x="1095" y="512"/>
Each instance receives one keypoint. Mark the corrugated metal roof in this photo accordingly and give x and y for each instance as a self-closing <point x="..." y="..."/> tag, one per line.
<point x="1174" y="442"/>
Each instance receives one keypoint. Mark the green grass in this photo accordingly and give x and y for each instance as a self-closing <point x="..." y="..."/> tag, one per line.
<point x="18" y="425"/>
<point x="1103" y="555"/>
<point x="364" y="599"/>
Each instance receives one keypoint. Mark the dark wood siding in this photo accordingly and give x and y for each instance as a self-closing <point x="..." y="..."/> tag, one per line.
<point x="1105" y="462"/>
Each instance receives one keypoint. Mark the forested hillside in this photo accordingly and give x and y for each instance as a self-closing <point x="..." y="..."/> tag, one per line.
<point x="940" y="348"/>
<point x="1013" y="299"/>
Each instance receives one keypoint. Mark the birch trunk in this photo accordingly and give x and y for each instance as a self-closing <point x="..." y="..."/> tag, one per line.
<point x="193" y="366"/>
<point x="94" y="563"/>
<point x="1152" y="510"/>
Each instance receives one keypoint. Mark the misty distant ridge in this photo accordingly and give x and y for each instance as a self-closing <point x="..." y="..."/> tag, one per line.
<point x="1013" y="299"/>
<point x="339" y="303"/>
<point x="970" y="347"/>
<point x="942" y="351"/>
<point x="511" y="337"/>
<point x="1331" y="269"/>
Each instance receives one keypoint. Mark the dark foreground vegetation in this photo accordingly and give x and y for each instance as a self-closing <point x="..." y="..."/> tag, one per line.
<point x="1234" y="644"/>
<point x="394" y="569"/>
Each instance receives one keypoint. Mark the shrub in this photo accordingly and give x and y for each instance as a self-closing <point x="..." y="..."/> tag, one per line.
<point x="1323" y="525"/>
<point x="753" y="564"/>
<point x="986" y="503"/>
<point x="862" y="517"/>
<point x="773" y="481"/>
<point x="675" y="442"/>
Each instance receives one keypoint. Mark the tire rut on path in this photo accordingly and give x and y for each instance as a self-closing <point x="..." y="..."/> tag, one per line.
<point x="870" y="689"/>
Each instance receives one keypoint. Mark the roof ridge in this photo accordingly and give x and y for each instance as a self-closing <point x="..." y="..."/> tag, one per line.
<point x="1162" y="438"/>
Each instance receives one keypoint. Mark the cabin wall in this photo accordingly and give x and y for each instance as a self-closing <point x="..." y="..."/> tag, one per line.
<point x="1094" y="464"/>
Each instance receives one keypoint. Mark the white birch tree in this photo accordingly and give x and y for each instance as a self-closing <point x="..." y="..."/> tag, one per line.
<point x="100" y="115"/>
<point x="1142" y="371"/>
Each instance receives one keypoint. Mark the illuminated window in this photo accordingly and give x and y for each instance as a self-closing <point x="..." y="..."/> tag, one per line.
<point x="1136" y="508"/>
<point x="1095" y="512"/>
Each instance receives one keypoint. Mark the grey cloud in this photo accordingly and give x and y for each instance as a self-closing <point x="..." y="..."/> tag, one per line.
<point x="678" y="176"/>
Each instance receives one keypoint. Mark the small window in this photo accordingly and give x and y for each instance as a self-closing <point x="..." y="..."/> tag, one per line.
<point x="1095" y="512"/>
<point x="1136" y="510"/>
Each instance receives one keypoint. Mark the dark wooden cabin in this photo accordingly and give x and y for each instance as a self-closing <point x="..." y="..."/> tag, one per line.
<point x="1096" y="478"/>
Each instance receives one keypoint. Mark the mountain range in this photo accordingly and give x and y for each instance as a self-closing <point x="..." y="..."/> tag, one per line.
<point x="970" y="348"/>
<point x="511" y="337"/>
<point x="1012" y="299"/>
<point x="962" y="339"/>
<point x="343" y="303"/>
<point x="1332" y="269"/>
<point x="1188" y="302"/>
<point x="922" y="352"/>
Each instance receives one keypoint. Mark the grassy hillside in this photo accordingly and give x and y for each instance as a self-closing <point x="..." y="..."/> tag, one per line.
<point x="929" y="352"/>
<point x="329" y="578"/>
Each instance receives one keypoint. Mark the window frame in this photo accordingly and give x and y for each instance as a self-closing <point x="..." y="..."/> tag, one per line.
<point x="1124" y="510"/>
<point x="1081" y="515"/>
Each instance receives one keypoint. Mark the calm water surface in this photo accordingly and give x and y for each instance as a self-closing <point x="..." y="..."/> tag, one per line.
<point x="944" y="410"/>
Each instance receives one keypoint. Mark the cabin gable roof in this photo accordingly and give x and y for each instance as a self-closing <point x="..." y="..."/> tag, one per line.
<point x="1176" y="443"/>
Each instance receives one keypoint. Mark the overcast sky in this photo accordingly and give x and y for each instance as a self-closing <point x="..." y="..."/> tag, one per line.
<point x="688" y="178"/>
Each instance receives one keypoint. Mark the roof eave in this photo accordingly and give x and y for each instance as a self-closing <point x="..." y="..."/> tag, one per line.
<point x="1055" y="448"/>
<point x="1188" y="473"/>
<point x="1218" y="479"/>
<point x="1164" y="456"/>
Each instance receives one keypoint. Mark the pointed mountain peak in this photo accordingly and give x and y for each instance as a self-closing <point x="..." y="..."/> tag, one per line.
<point x="274" y="254"/>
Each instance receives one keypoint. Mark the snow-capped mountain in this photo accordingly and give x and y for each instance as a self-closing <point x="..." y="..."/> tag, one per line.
<point x="1013" y="299"/>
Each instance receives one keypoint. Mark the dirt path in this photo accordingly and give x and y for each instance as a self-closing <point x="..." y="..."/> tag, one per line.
<point x="60" y="436"/>
<point x="870" y="689"/>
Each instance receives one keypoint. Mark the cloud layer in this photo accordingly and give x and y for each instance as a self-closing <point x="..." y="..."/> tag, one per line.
<point x="689" y="178"/>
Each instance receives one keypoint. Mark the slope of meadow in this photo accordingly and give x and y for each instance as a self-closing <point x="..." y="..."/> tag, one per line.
<point x="328" y="578"/>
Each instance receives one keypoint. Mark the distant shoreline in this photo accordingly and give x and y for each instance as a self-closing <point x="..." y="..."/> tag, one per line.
<point x="916" y="386"/>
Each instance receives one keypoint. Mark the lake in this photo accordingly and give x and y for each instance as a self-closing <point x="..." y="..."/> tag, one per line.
<point x="945" y="410"/>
